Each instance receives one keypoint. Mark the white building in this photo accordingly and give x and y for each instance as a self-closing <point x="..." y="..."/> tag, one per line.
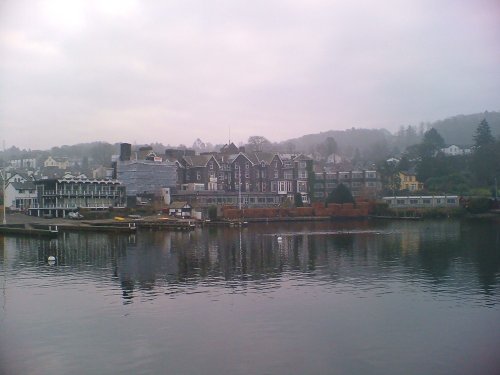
<point x="454" y="150"/>
<point x="61" y="163"/>
<point x="20" y="196"/>
<point x="422" y="201"/>
<point x="24" y="163"/>
<point x="58" y="197"/>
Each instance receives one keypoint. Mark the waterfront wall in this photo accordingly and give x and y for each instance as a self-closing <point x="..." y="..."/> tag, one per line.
<point x="359" y="209"/>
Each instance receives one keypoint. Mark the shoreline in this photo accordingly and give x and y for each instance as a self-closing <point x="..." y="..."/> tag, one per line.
<point x="24" y="224"/>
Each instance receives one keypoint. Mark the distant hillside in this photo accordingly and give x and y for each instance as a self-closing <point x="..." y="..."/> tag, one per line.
<point x="460" y="129"/>
<point x="348" y="140"/>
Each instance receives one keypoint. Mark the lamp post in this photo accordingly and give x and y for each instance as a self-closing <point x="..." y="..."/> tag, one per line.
<point x="496" y="188"/>
<point x="4" y="221"/>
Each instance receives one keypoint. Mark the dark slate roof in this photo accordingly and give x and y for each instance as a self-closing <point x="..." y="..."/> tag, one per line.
<point x="23" y="185"/>
<point x="19" y="173"/>
<point x="302" y="157"/>
<point x="197" y="160"/>
<point x="229" y="149"/>
<point x="265" y="157"/>
<point x="178" y="205"/>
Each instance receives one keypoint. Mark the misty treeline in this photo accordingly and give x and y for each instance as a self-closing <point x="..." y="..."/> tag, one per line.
<point x="474" y="173"/>
<point x="355" y="144"/>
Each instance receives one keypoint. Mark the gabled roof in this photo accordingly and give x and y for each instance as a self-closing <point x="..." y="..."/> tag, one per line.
<point x="408" y="173"/>
<point x="178" y="205"/>
<point x="23" y="185"/>
<point x="278" y="156"/>
<point x="301" y="157"/>
<point x="244" y="155"/>
<point x="265" y="157"/>
<point x="18" y="173"/>
<point x="199" y="160"/>
<point x="229" y="149"/>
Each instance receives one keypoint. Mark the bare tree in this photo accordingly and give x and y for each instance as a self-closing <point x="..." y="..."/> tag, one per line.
<point x="258" y="143"/>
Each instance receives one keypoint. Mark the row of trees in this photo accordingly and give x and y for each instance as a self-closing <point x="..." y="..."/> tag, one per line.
<point x="461" y="174"/>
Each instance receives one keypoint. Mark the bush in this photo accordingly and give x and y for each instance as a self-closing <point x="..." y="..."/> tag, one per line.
<point x="341" y="194"/>
<point x="212" y="213"/>
<point x="441" y="213"/>
<point x="382" y="209"/>
<point x="298" y="200"/>
<point x="479" y="205"/>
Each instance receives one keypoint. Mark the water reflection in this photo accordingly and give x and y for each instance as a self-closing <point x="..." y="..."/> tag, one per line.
<point x="446" y="255"/>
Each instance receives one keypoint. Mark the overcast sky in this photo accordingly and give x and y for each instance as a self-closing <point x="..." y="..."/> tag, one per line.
<point x="171" y="71"/>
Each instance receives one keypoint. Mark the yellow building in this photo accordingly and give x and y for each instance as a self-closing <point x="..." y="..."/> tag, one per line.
<point x="61" y="163"/>
<point x="408" y="181"/>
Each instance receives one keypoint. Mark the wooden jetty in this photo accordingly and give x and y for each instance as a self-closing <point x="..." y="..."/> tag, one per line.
<point x="166" y="225"/>
<point x="94" y="227"/>
<point x="27" y="230"/>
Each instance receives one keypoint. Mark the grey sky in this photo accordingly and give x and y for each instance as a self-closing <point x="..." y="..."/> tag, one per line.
<point x="170" y="71"/>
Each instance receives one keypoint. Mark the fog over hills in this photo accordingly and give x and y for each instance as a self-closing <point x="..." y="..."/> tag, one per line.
<point x="460" y="129"/>
<point x="371" y="143"/>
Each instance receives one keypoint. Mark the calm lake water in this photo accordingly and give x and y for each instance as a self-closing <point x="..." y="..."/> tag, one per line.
<point x="329" y="298"/>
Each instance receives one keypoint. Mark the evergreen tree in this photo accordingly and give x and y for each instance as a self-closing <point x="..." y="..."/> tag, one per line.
<point x="483" y="135"/>
<point x="298" y="200"/>
<point x="432" y="141"/>
<point x="340" y="194"/>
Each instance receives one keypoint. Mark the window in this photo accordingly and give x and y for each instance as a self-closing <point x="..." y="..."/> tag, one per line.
<point x="451" y="201"/>
<point x="276" y="174"/>
<point x="288" y="175"/>
<point x="371" y="174"/>
<point x="247" y="165"/>
<point x="302" y="186"/>
<point x="302" y="174"/>
<point x="198" y="176"/>
<point x="211" y="165"/>
<point x="302" y="164"/>
<point x="284" y="186"/>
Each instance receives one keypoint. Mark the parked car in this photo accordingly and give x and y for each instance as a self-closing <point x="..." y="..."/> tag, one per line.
<point x="75" y="215"/>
